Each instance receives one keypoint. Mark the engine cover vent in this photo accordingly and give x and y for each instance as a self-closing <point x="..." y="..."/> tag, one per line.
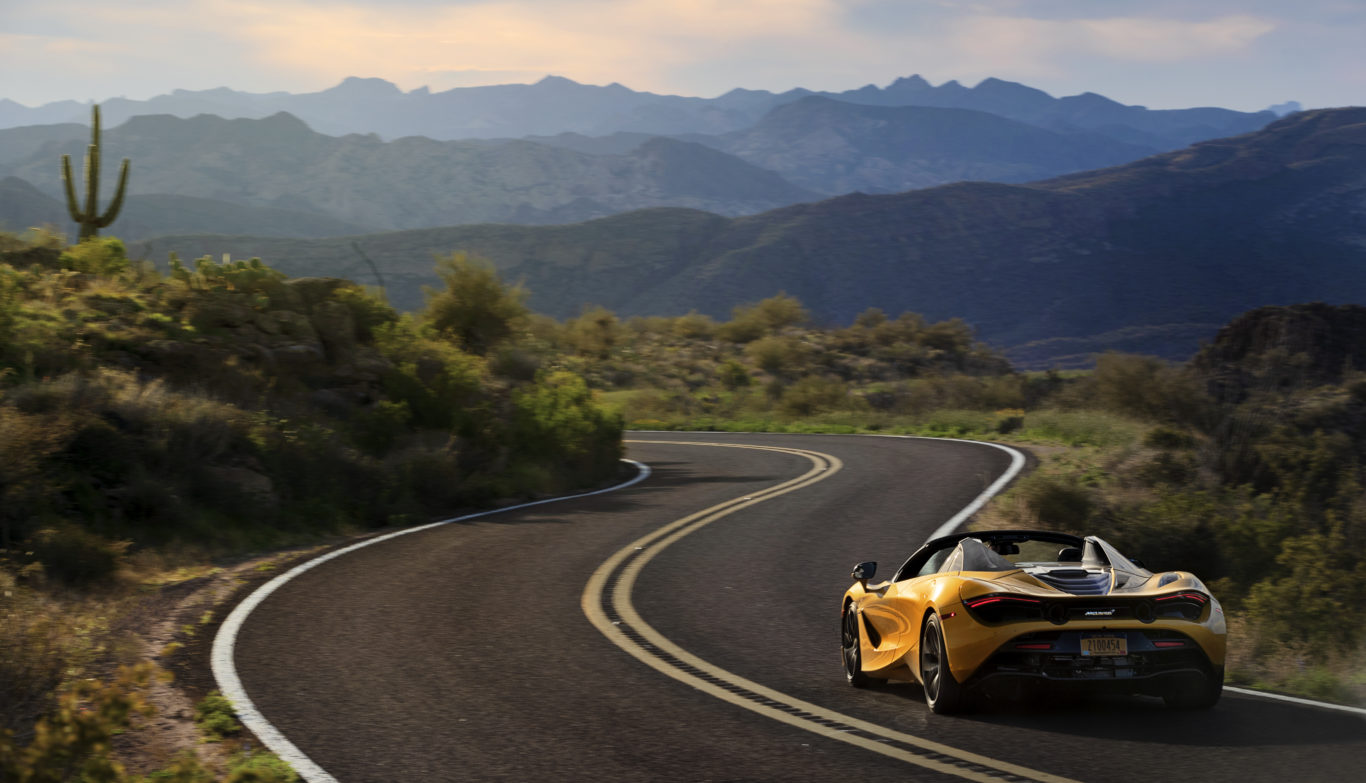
<point x="1075" y="580"/>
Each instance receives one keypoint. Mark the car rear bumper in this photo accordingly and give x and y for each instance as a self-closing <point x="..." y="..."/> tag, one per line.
<point x="1154" y="660"/>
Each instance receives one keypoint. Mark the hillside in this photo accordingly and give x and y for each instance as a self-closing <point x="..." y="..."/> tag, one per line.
<point x="825" y="147"/>
<point x="557" y="105"/>
<point x="1191" y="237"/>
<point x="1161" y="128"/>
<point x="224" y="402"/>
<point x="279" y="163"/>
<point x="835" y="147"/>
<point x="23" y="206"/>
<point x="1284" y="348"/>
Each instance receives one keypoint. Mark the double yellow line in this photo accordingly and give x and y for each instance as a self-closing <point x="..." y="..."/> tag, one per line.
<point x="607" y="602"/>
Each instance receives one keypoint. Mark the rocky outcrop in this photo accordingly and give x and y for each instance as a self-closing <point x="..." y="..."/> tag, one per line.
<point x="1280" y="348"/>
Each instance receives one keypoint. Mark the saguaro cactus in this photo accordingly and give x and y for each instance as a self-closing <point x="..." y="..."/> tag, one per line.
<point x="89" y="219"/>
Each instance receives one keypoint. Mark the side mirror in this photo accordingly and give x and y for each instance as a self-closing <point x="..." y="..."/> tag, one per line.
<point x="864" y="571"/>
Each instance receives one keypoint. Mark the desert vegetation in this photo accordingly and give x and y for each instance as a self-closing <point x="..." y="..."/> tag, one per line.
<point x="769" y="368"/>
<point x="153" y="422"/>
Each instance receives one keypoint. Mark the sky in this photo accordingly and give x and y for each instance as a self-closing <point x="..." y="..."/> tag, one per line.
<point x="1243" y="55"/>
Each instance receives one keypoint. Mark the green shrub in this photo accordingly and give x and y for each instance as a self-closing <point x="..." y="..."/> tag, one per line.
<point x="733" y="375"/>
<point x="1143" y="387"/>
<point x="96" y="256"/>
<point x="952" y="336"/>
<point x="1166" y="468"/>
<point x="185" y="767"/>
<point x="957" y="423"/>
<point x="785" y="357"/>
<point x="476" y="308"/>
<point x="741" y="330"/>
<point x="1009" y="420"/>
<point x="556" y="421"/>
<point x="215" y="717"/>
<point x="74" y="741"/>
<point x="871" y="318"/>
<point x="595" y="333"/>
<point x="11" y="293"/>
<point x="1169" y="533"/>
<point x="259" y="767"/>
<point x="376" y="429"/>
<point x="693" y="326"/>
<point x="1056" y="502"/>
<point x="368" y="308"/>
<point x="1168" y="438"/>
<point x="37" y="650"/>
<point x="1082" y="428"/>
<point x="813" y="394"/>
<point x="1318" y="682"/>
<point x="75" y="556"/>
<point x="1318" y="595"/>
<point x="443" y="386"/>
<point x="776" y="312"/>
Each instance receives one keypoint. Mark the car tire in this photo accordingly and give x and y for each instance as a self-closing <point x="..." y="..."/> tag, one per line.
<point x="1200" y="696"/>
<point x="850" y="648"/>
<point x="943" y="694"/>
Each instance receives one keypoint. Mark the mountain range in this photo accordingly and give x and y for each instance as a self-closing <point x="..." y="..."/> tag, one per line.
<point x="278" y="163"/>
<point x="1150" y="255"/>
<point x="276" y="168"/>
<point x="557" y="105"/>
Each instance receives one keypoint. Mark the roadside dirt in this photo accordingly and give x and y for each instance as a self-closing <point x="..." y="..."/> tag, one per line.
<point x="173" y="628"/>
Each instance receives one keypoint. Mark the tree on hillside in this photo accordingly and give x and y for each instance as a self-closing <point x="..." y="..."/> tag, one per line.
<point x="476" y="308"/>
<point x="749" y="322"/>
<point x="594" y="333"/>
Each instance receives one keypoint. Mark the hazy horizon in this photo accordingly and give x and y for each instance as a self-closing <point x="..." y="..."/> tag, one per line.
<point x="339" y="82"/>
<point x="1245" y="55"/>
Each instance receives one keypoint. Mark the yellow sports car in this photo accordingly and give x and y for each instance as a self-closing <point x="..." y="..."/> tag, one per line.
<point x="1000" y="612"/>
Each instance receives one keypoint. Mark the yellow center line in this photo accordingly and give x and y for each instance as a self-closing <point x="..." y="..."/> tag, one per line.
<point x="645" y="548"/>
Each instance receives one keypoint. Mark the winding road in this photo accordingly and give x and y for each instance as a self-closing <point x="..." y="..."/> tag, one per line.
<point x="686" y="629"/>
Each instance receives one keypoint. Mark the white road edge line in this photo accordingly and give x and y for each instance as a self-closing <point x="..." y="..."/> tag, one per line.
<point x="1295" y="700"/>
<point x="225" y="672"/>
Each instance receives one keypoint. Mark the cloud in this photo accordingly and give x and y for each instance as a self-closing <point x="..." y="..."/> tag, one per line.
<point x="93" y="48"/>
<point x="439" y="79"/>
<point x="599" y="40"/>
<point x="1046" y="46"/>
<point x="77" y="55"/>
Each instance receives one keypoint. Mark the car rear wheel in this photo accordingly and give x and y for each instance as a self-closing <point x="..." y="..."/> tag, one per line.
<point x="943" y="694"/>
<point x="853" y="655"/>
<point x="1200" y="695"/>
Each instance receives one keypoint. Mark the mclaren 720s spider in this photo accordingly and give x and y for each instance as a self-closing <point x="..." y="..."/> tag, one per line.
<point x="1007" y="611"/>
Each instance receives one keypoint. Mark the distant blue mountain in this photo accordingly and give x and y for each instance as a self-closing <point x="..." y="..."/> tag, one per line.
<point x="556" y="105"/>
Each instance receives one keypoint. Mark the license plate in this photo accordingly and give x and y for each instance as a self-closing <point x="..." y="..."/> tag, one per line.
<point x="1104" y="645"/>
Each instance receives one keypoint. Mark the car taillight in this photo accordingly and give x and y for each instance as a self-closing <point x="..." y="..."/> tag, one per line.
<point x="1194" y="597"/>
<point x="1005" y="608"/>
<point x="985" y="600"/>
<point x="1186" y="605"/>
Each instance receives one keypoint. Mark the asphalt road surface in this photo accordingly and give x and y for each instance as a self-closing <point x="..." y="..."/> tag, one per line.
<point x="463" y="652"/>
